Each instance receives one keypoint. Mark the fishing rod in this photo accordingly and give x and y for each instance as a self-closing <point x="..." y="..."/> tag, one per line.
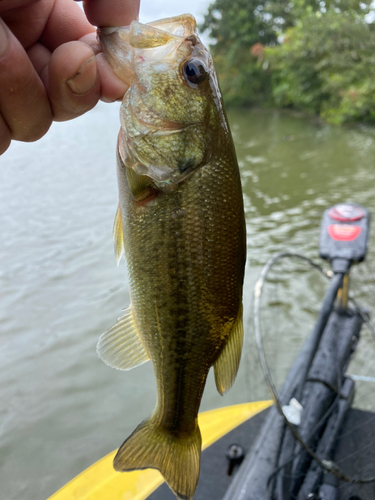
<point x="292" y="456"/>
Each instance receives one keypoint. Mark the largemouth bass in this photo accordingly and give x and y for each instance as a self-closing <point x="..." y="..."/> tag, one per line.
<point x="180" y="223"/>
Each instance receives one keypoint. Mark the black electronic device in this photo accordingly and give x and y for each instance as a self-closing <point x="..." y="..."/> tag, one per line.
<point x="290" y="460"/>
<point x="344" y="233"/>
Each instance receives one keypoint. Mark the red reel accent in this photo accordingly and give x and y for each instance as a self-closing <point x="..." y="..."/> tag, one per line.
<point x="344" y="232"/>
<point x="346" y="213"/>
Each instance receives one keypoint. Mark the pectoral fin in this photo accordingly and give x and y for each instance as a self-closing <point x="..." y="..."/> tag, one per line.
<point x="226" y="365"/>
<point x="118" y="236"/>
<point x="121" y="346"/>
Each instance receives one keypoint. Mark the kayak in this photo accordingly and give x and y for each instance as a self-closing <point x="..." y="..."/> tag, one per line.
<point x="311" y="443"/>
<point x="101" y="482"/>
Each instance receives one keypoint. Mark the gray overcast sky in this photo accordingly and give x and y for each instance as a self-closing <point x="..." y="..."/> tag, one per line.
<point x="151" y="10"/>
<point x="157" y="9"/>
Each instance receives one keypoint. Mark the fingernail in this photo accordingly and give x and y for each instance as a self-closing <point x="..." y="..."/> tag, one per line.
<point x="84" y="80"/>
<point x="107" y="99"/>
<point x="4" y="39"/>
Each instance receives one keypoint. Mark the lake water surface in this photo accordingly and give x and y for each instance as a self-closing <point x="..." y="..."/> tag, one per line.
<point x="61" y="407"/>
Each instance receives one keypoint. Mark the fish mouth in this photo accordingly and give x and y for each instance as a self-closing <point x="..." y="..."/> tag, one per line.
<point x="128" y="49"/>
<point x="183" y="26"/>
<point x="122" y="44"/>
<point x="153" y="34"/>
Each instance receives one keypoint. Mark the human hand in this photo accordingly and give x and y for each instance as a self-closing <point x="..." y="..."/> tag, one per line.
<point x="51" y="67"/>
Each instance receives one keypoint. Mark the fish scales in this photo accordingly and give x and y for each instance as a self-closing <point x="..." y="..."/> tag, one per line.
<point x="181" y="226"/>
<point x="189" y="287"/>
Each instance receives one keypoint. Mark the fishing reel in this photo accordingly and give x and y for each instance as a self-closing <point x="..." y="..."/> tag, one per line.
<point x="343" y="241"/>
<point x="344" y="235"/>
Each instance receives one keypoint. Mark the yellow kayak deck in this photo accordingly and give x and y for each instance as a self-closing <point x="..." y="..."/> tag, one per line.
<point x="101" y="482"/>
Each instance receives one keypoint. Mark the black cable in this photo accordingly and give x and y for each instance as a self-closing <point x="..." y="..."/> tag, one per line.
<point x="364" y="315"/>
<point x="327" y="465"/>
<point x="325" y="417"/>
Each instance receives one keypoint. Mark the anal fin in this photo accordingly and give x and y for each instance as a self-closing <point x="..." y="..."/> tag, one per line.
<point x="226" y="365"/>
<point x="118" y="236"/>
<point x="121" y="346"/>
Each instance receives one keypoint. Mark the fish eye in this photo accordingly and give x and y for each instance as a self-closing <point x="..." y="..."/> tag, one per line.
<point x="194" y="72"/>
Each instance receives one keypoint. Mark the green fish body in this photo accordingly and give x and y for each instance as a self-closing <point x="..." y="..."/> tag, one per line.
<point x="181" y="225"/>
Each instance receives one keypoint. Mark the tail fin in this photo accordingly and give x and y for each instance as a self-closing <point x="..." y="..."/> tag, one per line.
<point x="176" y="457"/>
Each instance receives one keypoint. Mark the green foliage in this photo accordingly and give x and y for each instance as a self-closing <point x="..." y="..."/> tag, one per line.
<point x="244" y="83"/>
<point x="323" y="61"/>
<point x="236" y="25"/>
<point x="326" y="65"/>
<point x="242" y="23"/>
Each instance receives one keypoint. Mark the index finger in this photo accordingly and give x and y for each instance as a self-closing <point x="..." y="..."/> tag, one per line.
<point x="111" y="12"/>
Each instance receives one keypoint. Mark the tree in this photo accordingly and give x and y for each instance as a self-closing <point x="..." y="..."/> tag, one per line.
<point x="235" y="26"/>
<point x="244" y="74"/>
<point x="327" y="65"/>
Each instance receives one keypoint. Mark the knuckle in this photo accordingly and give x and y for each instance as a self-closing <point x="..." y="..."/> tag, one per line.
<point x="5" y="138"/>
<point x="68" y="108"/>
<point x="32" y="133"/>
<point x="16" y="73"/>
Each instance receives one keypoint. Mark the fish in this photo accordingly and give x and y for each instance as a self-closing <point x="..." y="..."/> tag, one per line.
<point x="180" y="224"/>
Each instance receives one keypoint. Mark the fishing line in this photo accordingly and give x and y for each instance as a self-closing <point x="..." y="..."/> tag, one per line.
<point x="326" y="465"/>
<point x="325" y="417"/>
<point x="364" y="315"/>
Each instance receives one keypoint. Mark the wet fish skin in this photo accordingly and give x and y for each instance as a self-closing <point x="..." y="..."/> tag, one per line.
<point x="181" y="225"/>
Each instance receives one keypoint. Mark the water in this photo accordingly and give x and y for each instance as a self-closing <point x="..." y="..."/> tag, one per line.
<point x="62" y="408"/>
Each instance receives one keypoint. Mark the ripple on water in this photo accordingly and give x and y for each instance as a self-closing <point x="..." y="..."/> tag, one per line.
<point x="60" y="287"/>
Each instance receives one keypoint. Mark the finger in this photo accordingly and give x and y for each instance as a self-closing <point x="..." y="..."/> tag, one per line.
<point x="67" y="22"/>
<point x="27" y="23"/>
<point x="73" y="82"/>
<point x="39" y="56"/>
<point x="24" y="103"/>
<point x="7" y="5"/>
<point x="112" y="88"/>
<point x="111" y="12"/>
<point x="5" y="136"/>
